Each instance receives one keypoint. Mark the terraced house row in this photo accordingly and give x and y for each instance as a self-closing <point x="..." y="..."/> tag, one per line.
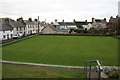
<point x="10" y="28"/>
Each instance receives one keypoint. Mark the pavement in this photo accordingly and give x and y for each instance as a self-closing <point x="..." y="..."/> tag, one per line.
<point x="44" y="65"/>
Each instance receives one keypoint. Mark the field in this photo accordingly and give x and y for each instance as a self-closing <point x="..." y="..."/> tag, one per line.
<point x="15" y="71"/>
<point x="63" y="50"/>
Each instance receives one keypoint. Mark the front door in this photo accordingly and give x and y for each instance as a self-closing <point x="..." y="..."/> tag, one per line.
<point x="7" y="36"/>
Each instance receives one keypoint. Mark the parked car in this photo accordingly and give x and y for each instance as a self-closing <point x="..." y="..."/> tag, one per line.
<point x="16" y="36"/>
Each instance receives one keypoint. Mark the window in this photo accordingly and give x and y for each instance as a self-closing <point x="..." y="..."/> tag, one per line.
<point x="17" y="28"/>
<point x="24" y="28"/>
<point x="4" y="36"/>
<point x="11" y="35"/>
<point x="7" y="36"/>
<point x="20" y="29"/>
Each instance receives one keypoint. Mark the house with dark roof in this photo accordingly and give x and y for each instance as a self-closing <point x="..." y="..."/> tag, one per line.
<point x="18" y="27"/>
<point x="83" y="24"/>
<point x="99" y="23"/>
<point x="39" y="24"/>
<point x="67" y="25"/>
<point x="35" y="28"/>
<point x="6" y="30"/>
<point x="29" y="27"/>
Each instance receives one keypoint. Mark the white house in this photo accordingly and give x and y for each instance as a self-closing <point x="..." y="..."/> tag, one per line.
<point x="87" y="26"/>
<point x="29" y="27"/>
<point x="42" y="26"/>
<point x="18" y="27"/>
<point x="35" y="28"/>
<point x="6" y="30"/>
<point x="99" y="23"/>
<point x="67" y="25"/>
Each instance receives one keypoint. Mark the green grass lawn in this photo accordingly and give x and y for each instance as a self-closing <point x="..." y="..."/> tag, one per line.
<point x="17" y="71"/>
<point x="63" y="50"/>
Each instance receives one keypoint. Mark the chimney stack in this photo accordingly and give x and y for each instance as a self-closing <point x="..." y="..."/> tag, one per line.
<point x="93" y="19"/>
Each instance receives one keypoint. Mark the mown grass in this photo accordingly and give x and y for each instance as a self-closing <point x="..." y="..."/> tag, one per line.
<point x="17" y="71"/>
<point x="64" y="50"/>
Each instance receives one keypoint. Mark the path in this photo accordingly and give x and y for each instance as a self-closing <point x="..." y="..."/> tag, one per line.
<point x="44" y="65"/>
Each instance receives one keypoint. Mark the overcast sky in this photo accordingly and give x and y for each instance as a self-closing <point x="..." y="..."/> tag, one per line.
<point x="59" y="9"/>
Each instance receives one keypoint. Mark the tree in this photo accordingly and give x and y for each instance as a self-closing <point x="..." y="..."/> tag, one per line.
<point x="55" y="20"/>
<point x="51" y="23"/>
<point x="30" y="19"/>
<point x="36" y="20"/>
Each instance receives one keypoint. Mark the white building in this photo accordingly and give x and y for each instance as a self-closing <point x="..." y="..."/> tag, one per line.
<point x="87" y="26"/>
<point x="18" y="27"/>
<point x="29" y="27"/>
<point x="40" y="24"/>
<point x="6" y="30"/>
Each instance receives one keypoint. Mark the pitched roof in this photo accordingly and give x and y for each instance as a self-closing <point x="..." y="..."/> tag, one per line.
<point x="35" y="22"/>
<point x="42" y="24"/>
<point x="20" y="24"/>
<point x="53" y="27"/>
<point x="4" y="25"/>
<point x="28" y="22"/>
<point x="80" y="23"/>
<point x="66" y="23"/>
<point x="100" y="20"/>
<point x="13" y="24"/>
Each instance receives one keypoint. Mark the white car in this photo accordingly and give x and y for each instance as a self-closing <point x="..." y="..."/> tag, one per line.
<point x="16" y="36"/>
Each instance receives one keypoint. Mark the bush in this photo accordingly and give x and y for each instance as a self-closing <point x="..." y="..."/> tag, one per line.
<point x="80" y="31"/>
<point x="113" y="74"/>
<point x="118" y="32"/>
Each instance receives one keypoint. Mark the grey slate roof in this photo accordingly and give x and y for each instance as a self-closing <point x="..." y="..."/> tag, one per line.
<point x="100" y="20"/>
<point x="35" y="23"/>
<point x="80" y="23"/>
<point x="66" y="23"/>
<point x="28" y="22"/>
<point x="13" y="24"/>
<point x="42" y="24"/>
<point x="58" y="29"/>
<point x="4" y="25"/>
<point x="20" y="24"/>
<point x="53" y="27"/>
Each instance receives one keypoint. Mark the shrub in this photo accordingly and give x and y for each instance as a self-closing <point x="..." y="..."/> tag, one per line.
<point x="113" y="74"/>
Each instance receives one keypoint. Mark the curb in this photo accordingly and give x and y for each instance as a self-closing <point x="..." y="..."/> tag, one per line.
<point x="44" y="65"/>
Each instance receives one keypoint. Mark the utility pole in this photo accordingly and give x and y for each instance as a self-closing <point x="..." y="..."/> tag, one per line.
<point x="38" y="24"/>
